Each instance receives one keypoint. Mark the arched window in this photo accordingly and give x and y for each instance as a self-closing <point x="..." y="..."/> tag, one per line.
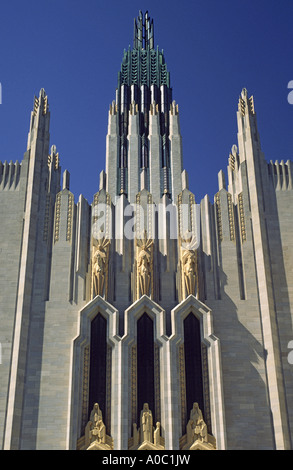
<point x="193" y="363"/>
<point x="98" y="364"/>
<point x="145" y="365"/>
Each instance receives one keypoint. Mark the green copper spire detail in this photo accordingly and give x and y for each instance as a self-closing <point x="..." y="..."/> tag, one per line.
<point x="143" y="82"/>
<point x="144" y="67"/>
<point x="143" y="32"/>
<point x="143" y="64"/>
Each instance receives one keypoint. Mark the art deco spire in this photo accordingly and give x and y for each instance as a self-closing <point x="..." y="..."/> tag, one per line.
<point x="143" y="32"/>
<point x="143" y="103"/>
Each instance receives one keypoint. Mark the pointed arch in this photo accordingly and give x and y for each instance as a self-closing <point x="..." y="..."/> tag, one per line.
<point x="203" y="314"/>
<point x="97" y="318"/>
<point x="144" y="324"/>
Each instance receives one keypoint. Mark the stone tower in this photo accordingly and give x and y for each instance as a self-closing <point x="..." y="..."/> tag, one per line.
<point x="142" y="319"/>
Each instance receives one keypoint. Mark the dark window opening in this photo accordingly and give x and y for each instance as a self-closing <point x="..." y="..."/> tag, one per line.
<point x="193" y="364"/>
<point x="145" y="365"/>
<point x="98" y="362"/>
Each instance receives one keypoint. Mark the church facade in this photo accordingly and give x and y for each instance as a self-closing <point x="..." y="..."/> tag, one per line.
<point x="144" y="319"/>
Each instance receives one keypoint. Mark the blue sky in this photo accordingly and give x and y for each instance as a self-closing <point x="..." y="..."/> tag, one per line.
<point x="213" y="49"/>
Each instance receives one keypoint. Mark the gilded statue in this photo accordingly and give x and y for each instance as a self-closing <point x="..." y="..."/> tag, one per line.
<point x="95" y="431"/>
<point x="135" y="435"/>
<point x="189" y="268"/>
<point x="144" y="272"/>
<point x="196" y="427"/>
<point x="157" y="437"/>
<point x="144" y="266"/>
<point x="98" y="432"/>
<point x="100" y="266"/>
<point x="96" y="413"/>
<point x="147" y="437"/>
<point x="146" y="424"/>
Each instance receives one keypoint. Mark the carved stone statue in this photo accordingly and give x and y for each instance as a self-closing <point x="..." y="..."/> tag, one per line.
<point x="96" y="413"/>
<point x="200" y="431"/>
<point x="157" y="437"/>
<point x="99" y="267"/>
<point x="189" y="268"/>
<point x="98" y="432"/>
<point x="135" y="435"/>
<point x="147" y="437"/>
<point x="144" y="266"/>
<point x="196" y="427"/>
<point x="196" y="413"/>
<point x="95" y="431"/>
<point x="146" y="424"/>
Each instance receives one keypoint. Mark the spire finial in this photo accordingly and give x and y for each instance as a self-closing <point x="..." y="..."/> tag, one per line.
<point x="143" y="32"/>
